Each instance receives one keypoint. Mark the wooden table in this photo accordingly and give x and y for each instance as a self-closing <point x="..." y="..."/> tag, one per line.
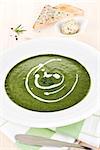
<point x="14" y="12"/>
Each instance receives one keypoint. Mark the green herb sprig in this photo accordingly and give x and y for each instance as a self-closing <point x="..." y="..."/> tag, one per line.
<point x="18" y="30"/>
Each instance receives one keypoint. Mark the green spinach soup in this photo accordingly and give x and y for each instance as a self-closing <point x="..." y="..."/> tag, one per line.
<point x="47" y="83"/>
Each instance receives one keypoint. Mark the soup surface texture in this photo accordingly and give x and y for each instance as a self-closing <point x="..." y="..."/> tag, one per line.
<point x="47" y="83"/>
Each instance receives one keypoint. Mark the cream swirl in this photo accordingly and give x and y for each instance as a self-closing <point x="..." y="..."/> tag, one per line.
<point x="38" y="86"/>
<point x="46" y="87"/>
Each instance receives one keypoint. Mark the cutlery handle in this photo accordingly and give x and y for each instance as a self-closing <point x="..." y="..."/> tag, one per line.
<point x="42" y="141"/>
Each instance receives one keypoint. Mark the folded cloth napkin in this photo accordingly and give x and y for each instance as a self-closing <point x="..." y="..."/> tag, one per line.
<point x="87" y="131"/>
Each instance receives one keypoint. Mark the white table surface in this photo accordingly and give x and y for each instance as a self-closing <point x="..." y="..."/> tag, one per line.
<point x="15" y="12"/>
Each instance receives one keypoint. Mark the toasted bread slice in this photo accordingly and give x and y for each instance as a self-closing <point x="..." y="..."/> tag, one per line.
<point x="71" y="9"/>
<point x="50" y="15"/>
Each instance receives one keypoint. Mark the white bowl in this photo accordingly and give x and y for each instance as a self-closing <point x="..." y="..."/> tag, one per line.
<point x="85" y="54"/>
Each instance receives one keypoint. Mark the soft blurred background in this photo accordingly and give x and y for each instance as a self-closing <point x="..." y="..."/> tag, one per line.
<point x="25" y="12"/>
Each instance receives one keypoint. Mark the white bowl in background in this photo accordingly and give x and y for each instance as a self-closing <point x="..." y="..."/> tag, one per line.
<point x="82" y="21"/>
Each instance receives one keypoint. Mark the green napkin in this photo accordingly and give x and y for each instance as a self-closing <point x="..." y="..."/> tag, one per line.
<point x="72" y="130"/>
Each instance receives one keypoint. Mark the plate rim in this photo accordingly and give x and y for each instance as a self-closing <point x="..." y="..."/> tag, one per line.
<point x="79" y="118"/>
